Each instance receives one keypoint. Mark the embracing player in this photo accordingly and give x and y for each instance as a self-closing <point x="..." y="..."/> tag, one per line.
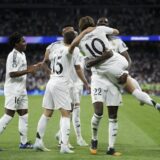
<point x="106" y="65"/>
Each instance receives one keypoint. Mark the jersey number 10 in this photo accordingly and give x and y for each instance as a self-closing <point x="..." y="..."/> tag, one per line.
<point x="93" y="50"/>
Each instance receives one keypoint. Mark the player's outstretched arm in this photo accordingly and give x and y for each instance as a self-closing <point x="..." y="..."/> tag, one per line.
<point x="115" y="32"/>
<point x="109" y="30"/>
<point x="45" y="63"/>
<point x="30" y="69"/>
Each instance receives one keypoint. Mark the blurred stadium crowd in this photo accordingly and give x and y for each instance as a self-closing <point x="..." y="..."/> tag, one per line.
<point x="130" y="21"/>
<point x="38" y="17"/>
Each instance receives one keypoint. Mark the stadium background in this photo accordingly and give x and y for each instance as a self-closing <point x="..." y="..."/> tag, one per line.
<point x="137" y="21"/>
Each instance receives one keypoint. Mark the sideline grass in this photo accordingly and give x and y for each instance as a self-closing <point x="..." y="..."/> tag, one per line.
<point x="138" y="136"/>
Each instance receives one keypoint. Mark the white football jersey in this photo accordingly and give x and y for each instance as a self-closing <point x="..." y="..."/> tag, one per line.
<point x="117" y="44"/>
<point x="95" y="42"/>
<point x="77" y="60"/>
<point x="16" y="61"/>
<point x="62" y="62"/>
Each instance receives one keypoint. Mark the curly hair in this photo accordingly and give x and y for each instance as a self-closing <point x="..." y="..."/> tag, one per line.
<point x="15" y="38"/>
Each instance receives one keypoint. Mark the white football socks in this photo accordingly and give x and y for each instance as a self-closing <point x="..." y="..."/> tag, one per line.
<point x="5" y="119"/>
<point x="23" y="128"/>
<point x="76" y="121"/>
<point x="41" y="127"/>
<point x="95" y="125"/>
<point x="112" y="132"/>
<point x="65" y="130"/>
<point x="142" y="96"/>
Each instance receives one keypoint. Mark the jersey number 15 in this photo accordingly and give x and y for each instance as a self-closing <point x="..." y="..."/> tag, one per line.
<point x="58" y="68"/>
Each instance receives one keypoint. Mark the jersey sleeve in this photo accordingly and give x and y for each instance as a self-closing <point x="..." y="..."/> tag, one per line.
<point x="122" y="47"/>
<point x="107" y="30"/>
<point x="13" y="62"/>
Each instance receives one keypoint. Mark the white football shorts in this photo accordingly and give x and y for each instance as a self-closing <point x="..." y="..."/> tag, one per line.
<point x="56" y="95"/>
<point x="113" y="68"/>
<point x="102" y="90"/>
<point x="76" y="92"/>
<point x="16" y="102"/>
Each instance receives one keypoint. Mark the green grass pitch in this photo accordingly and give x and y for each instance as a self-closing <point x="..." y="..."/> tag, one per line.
<point x="138" y="137"/>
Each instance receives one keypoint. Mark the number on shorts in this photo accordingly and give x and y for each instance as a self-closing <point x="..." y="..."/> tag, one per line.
<point x="17" y="100"/>
<point x="93" y="50"/>
<point x="97" y="91"/>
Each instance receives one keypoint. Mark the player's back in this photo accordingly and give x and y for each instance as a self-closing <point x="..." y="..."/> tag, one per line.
<point x="94" y="43"/>
<point x="61" y="64"/>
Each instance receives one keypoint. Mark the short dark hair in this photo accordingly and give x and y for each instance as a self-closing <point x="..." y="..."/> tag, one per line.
<point x="69" y="37"/>
<point x="103" y="21"/>
<point x="86" y="22"/>
<point x="64" y="26"/>
<point x="15" y="38"/>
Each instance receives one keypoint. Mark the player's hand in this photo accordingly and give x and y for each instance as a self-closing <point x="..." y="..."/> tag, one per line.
<point x="32" y="68"/>
<point x="39" y="65"/>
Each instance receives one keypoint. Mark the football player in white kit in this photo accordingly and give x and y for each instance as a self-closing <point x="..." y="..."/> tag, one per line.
<point x="114" y="67"/>
<point x="111" y="95"/>
<point x="75" y="93"/>
<point x="15" y="88"/>
<point x="57" y="92"/>
<point x="76" y="89"/>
